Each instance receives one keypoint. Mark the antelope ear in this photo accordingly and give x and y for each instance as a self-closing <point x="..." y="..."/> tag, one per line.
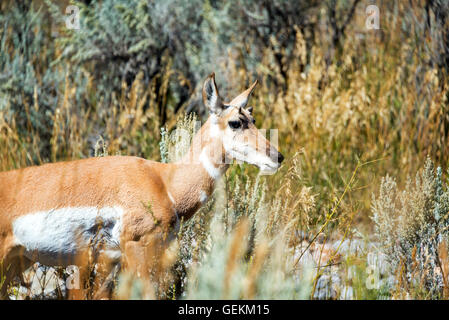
<point x="242" y="99"/>
<point x="211" y="98"/>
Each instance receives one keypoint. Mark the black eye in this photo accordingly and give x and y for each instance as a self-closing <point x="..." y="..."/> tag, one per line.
<point x="253" y="121"/>
<point x="234" y="124"/>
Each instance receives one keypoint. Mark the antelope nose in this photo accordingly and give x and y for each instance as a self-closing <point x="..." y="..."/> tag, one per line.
<point x="280" y="158"/>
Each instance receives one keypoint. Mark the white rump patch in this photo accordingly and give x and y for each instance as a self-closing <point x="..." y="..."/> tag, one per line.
<point x="55" y="237"/>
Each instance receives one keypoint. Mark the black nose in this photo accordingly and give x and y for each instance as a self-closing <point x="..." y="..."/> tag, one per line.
<point x="280" y="157"/>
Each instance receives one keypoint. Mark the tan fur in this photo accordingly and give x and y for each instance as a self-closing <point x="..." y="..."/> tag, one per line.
<point x="129" y="182"/>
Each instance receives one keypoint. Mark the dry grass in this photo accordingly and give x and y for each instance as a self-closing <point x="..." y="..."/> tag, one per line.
<point x="378" y="110"/>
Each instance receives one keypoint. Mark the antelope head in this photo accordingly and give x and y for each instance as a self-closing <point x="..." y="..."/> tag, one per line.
<point x="232" y="125"/>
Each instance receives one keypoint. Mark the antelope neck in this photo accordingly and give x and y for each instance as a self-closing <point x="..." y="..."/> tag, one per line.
<point x="193" y="178"/>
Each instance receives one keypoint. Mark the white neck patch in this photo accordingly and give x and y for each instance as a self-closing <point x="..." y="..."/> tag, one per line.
<point x="213" y="171"/>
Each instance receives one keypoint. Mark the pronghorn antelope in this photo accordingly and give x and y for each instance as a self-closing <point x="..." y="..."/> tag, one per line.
<point x="51" y="213"/>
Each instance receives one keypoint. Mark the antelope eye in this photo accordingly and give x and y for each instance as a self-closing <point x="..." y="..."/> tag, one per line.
<point x="253" y="121"/>
<point x="235" y="124"/>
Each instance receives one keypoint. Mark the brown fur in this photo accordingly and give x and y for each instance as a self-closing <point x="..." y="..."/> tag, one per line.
<point x="129" y="182"/>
